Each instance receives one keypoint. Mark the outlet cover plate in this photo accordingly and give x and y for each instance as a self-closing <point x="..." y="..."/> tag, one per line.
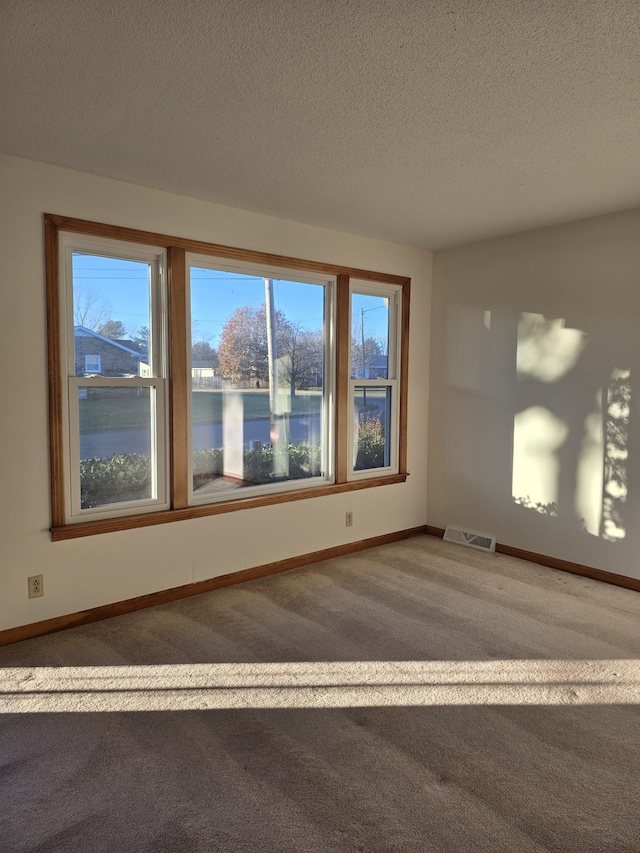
<point x="36" y="586"/>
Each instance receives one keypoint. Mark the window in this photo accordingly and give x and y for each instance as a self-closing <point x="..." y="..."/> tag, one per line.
<point x="92" y="364"/>
<point x="115" y="417"/>
<point x="265" y="421"/>
<point x="193" y="379"/>
<point x="375" y="314"/>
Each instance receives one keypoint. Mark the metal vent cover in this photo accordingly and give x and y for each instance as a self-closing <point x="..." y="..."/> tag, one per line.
<point x="480" y="541"/>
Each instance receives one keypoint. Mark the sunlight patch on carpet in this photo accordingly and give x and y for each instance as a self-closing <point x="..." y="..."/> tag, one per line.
<point x="339" y="684"/>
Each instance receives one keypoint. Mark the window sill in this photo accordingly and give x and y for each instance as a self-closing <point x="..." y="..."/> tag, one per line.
<point x="150" y="519"/>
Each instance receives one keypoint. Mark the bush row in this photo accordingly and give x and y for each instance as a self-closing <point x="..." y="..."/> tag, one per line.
<point x="258" y="464"/>
<point x="127" y="476"/>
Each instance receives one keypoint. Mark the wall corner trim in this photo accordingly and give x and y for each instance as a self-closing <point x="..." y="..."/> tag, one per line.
<point x="556" y="563"/>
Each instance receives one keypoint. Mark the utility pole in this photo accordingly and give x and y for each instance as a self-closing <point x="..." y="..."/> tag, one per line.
<point x="272" y="346"/>
<point x="279" y="432"/>
<point x="364" y="361"/>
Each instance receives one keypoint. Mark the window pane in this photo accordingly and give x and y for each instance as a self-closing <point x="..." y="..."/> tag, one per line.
<point x="369" y="336"/>
<point x="116" y="443"/>
<point x="257" y="381"/>
<point x="111" y="316"/>
<point x="371" y="427"/>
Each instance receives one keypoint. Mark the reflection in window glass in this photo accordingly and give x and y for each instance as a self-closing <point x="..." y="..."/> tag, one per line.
<point x="257" y="380"/>
<point x="115" y="445"/>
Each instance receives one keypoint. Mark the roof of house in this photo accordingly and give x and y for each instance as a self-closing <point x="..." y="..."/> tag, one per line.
<point x="379" y="361"/>
<point x="128" y="346"/>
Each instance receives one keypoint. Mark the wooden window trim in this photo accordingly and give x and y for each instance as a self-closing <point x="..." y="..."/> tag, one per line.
<point x="56" y="419"/>
<point x="343" y="346"/>
<point x="178" y="438"/>
<point x="394" y="373"/>
<point x="150" y="519"/>
<point x="177" y="248"/>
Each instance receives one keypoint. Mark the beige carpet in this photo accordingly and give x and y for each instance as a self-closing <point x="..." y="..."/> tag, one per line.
<point x="414" y="697"/>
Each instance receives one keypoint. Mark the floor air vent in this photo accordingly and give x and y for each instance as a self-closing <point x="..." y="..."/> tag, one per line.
<point x="472" y="540"/>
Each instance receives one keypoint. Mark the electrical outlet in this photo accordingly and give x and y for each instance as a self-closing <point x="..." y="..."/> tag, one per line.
<point x="36" y="586"/>
<point x="349" y="520"/>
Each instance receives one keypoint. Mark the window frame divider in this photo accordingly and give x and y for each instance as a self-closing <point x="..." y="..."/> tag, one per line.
<point x="343" y="347"/>
<point x="178" y="392"/>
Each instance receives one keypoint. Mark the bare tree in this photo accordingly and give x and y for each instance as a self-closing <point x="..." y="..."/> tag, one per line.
<point x="363" y="353"/>
<point x="301" y="352"/>
<point x="90" y="308"/>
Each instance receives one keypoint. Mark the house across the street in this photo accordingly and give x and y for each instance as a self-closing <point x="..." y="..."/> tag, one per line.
<point x="96" y="354"/>
<point x="377" y="368"/>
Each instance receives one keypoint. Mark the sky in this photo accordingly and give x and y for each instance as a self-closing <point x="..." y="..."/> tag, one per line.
<point x="119" y="290"/>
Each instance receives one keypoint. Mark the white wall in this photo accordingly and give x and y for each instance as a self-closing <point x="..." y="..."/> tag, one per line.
<point x="102" y="569"/>
<point x="516" y="405"/>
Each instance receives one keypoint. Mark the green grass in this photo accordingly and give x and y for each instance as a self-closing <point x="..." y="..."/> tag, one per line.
<point x="102" y="414"/>
<point x="207" y="405"/>
<point x="98" y="415"/>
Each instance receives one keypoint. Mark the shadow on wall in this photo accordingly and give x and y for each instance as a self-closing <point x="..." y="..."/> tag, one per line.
<point x="538" y="414"/>
<point x="570" y="436"/>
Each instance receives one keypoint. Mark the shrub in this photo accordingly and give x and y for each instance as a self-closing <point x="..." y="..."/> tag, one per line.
<point x="207" y="462"/>
<point x="258" y="464"/>
<point x="127" y="476"/>
<point x="371" y="443"/>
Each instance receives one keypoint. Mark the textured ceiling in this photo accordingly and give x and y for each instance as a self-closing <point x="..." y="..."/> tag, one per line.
<point x="430" y="123"/>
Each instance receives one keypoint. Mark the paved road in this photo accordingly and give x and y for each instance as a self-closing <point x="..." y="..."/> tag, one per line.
<point x="95" y="445"/>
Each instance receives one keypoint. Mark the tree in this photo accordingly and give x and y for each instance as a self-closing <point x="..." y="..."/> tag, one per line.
<point x="114" y="329"/>
<point x="90" y="308"/>
<point x="203" y="351"/>
<point x="141" y="339"/>
<point x="300" y="351"/>
<point x="361" y="362"/>
<point x="243" y="354"/>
